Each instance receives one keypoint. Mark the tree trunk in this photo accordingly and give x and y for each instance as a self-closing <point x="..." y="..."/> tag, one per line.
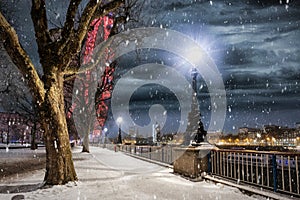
<point x="85" y="142"/>
<point x="33" y="145"/>
<point x="59" y="163"/>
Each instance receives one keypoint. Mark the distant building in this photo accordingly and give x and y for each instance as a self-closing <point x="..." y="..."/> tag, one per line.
<point x="251" y="133"/>
<point x="269" y="135"/>
<point x="273" y="129"/>
<point x="16" y="128"/>
<point x="287" y="136"/>
<point x="214" y="137"/>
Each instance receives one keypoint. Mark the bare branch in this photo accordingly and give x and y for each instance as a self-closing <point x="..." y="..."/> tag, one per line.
<point x="68" y="29"/>
<point x="91" y="11"/>
<point x="107" y="8"/>
<point x="86" y="19"/>
<point x="75" y="70"/>
<point x="73" y="46"/>
<point x="20" y="58"/>
<point x="39" y="18"/>
<point x="71" y="13"/>
<point x="117" y="21"/>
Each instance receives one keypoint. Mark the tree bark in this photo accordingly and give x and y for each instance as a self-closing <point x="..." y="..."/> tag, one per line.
<point x="85" y="143"/>
<point x="33" y="132"/>
<point x="59" y="165"/>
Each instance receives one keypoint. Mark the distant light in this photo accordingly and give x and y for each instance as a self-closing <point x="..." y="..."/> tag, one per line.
<point x="119" y="120"/>
<point x="105" y="130"/>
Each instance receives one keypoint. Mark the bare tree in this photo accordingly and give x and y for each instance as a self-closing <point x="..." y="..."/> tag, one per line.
<point x="15" y="96"/>
<point x="85" y="115"/>
<point x="56" y="54"/>
<point x="125" y="16"/>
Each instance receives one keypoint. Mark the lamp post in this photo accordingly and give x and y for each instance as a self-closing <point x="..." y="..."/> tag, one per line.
<point x="119" y="121"/>
<point x="104" y="138"/>
<point x="24" y="135"/>
<point x="7" y="137"/>
<point x="10" y="122"/>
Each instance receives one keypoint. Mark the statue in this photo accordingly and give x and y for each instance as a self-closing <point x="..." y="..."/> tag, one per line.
<point x="201" y="133"/>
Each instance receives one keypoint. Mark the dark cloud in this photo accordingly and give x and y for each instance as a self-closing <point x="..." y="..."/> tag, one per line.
<point x="259" y="55"/>
<point x="237" y="56"/>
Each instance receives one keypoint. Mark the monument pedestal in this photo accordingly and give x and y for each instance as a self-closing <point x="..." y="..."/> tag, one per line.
<point x="194" y="160"/>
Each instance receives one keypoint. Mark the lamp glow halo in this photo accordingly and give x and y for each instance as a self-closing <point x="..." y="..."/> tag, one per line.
<point x="173" y="42"/>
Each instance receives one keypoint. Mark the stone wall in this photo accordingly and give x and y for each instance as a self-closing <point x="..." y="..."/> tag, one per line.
<point x="193" y="162"/>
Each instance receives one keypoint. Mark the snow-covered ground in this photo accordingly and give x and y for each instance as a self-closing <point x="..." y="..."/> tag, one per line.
<point x="104" y="174"/>
<point x="16" y="161"/>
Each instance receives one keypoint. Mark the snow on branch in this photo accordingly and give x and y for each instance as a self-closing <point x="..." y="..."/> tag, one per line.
<point x="20" y="58"/>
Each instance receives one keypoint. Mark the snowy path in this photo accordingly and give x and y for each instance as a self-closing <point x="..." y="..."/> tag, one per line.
<point x="105" y="174"/>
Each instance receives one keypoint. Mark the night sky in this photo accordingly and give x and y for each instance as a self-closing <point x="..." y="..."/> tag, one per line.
<point x="256" y="47"/>
<point x="254" y="43"/>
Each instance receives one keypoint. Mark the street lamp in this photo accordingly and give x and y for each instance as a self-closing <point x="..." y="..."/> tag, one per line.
<point x="104" y="135"/>
<point x="23" y="139"/>
<point x="7" y="137"/>
<point x="10" y="122"/>
<point x="119" y="121"/>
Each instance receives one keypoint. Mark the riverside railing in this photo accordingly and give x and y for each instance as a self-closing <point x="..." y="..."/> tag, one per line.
<point x="164" y="154"/>
<point x="278" y="171"/>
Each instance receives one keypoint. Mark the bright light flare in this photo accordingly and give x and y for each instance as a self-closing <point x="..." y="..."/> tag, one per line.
<point x="119" y="120"/>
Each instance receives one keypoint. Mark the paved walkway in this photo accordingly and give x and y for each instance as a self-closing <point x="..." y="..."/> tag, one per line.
<point x="105" y="174"/>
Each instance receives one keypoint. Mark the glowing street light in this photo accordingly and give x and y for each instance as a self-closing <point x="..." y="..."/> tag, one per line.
<point x="10" y="123"/>
<point x="104" y="134"/>
<point x="119" y="121"/>
<point x="105" y="130"/>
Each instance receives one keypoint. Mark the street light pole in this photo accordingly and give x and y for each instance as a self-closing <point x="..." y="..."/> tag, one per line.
<point x="7" y="137"/>
<point x="104" y="136"/>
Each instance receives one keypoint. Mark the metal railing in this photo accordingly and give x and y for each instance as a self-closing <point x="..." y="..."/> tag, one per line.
<point x="278" y="171"/>
<point x="164" y="154"/>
